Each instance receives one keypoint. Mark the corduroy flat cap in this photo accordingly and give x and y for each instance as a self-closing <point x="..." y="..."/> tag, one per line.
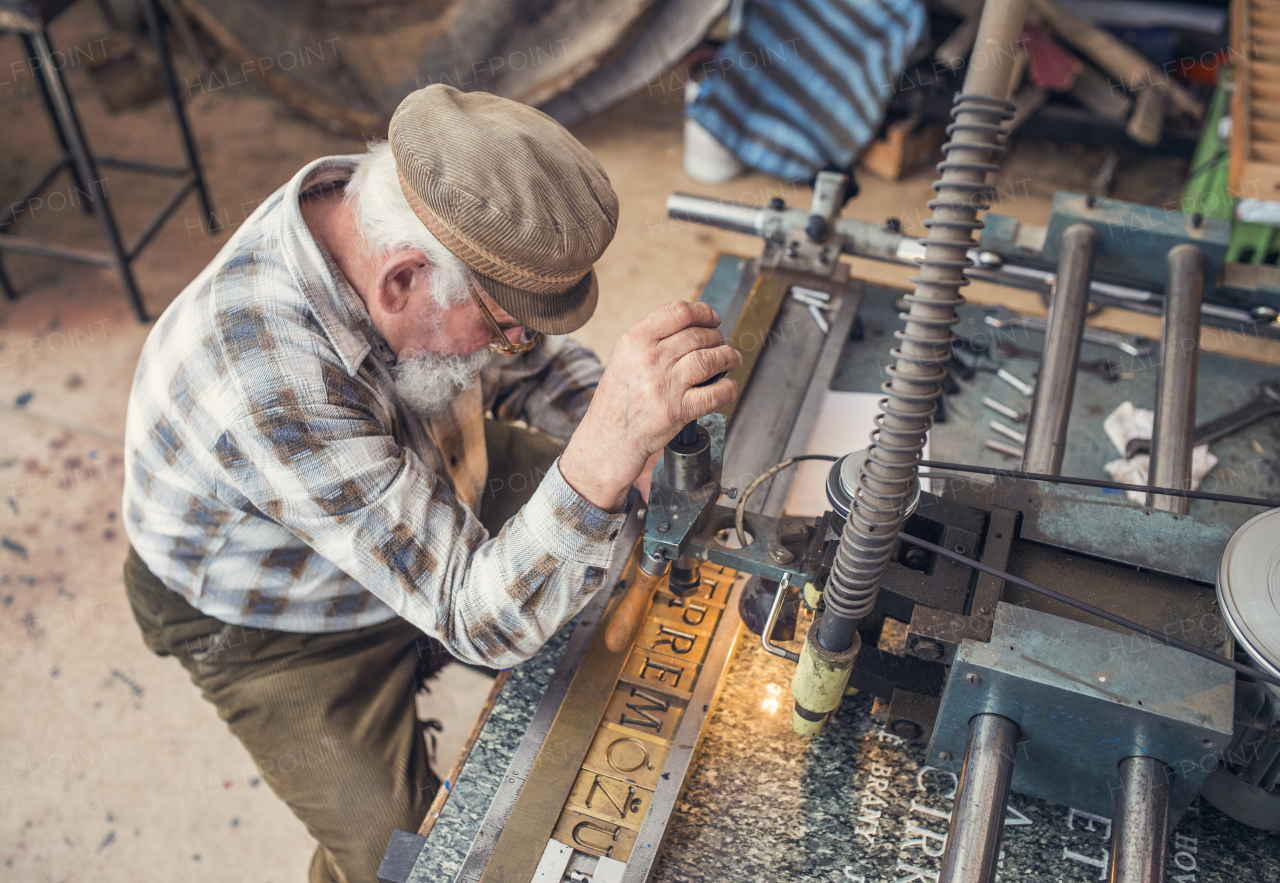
<point x="510" y="192"/>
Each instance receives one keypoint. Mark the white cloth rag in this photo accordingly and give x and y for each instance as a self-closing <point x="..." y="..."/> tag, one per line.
<point x="1127" y="422"/>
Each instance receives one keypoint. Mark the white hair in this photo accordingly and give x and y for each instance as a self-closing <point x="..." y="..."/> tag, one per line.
<point x="388" y="224"/>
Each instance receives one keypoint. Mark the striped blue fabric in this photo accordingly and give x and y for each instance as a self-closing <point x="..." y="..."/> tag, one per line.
<point x="804" y="84"/>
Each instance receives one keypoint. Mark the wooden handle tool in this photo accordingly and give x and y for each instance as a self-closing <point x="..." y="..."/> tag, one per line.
<point x="630" y="611"/>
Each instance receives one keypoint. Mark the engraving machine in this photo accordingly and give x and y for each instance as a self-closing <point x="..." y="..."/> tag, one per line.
<point x="1037" y="654"/>
<point x="1014" y="683"/>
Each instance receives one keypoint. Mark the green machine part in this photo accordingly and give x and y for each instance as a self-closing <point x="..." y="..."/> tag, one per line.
<point x="1208" y="190"/>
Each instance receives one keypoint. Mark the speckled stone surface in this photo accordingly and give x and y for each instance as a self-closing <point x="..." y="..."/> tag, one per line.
<point x="469" y="797"/>
<point x="762" y="803"/>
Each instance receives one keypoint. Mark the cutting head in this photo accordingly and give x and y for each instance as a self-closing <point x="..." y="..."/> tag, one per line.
<point x="1249" y="589"/>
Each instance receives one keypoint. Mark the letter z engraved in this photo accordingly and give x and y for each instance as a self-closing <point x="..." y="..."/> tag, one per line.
<point x="630" y="803"/>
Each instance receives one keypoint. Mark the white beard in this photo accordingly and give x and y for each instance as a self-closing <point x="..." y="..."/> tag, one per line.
<point x="428" y="383"/>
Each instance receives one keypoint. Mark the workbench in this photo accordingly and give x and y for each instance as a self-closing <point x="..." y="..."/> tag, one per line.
<point x="858" y="803"/>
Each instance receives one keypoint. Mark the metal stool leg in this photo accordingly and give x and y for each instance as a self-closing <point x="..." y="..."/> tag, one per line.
<point x="179" y="112"/>
<point x="5" y="285"/>
<point x="65" y="113"/>
<point x="85" y="204"/>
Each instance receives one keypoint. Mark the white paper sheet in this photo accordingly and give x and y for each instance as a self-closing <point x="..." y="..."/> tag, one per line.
<point x="845" y="421"/>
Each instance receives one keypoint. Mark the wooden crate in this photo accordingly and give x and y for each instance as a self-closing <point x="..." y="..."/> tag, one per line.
<point x="1255" y="104"/>
<point x="906" y="146"/>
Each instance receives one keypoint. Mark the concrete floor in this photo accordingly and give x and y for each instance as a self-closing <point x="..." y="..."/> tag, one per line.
<point x="113" y="768"/>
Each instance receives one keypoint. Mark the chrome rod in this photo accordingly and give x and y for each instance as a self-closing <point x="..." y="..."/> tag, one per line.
<point x="1175" y="416"/>
<point x="977" y="818"/>
<point x="1056" y="386"/>
<point x="1140" y="831"/>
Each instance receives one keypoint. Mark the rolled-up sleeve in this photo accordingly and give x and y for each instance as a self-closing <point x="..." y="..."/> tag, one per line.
<point x="341" y="483"/>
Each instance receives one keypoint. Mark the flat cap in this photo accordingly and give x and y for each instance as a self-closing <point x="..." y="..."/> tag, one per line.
<point x="510" y="192"/>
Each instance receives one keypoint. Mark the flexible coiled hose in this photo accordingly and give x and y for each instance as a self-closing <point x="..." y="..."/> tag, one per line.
<point x="911" y="393"/>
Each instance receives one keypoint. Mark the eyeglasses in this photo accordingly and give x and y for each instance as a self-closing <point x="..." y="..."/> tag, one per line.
<point x="501" y="343"/>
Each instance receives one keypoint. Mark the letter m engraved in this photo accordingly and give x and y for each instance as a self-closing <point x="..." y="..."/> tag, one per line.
<point x="655" y="703"/>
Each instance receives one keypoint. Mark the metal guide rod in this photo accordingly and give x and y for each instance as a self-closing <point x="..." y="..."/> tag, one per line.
<point x="977" y="819"/>
<point x="1055" y="388"/>
<point x="972" y="154"/>
<point x="1140" y="831"/>
<point x="1175" y="414"/>
<point x="864" y="238"/>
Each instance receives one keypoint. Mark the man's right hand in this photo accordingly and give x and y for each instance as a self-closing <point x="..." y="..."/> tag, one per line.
<point x="648" y="392"/>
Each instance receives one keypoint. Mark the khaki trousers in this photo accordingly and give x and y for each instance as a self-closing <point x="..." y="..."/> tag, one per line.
<point x="329" y="718"/>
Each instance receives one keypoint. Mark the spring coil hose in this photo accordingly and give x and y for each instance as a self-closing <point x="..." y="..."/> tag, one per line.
<point x="919" y="364"/>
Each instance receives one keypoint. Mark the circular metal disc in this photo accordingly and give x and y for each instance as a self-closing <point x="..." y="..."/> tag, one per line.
<point x="1249" y="589"/>
<point x="842" y="480"/>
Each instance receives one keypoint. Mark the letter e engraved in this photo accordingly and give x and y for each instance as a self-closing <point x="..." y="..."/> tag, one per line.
<point x="1090" y="818"/>
<point x="593" y="848"/>
<point x="674" y="639"/>
<point x="630" y="803"/>
<point x="646" y="719"/>
<point x="662" y="670"/>
<point x="1099" y="863"/>
<point x="627" y="740"/>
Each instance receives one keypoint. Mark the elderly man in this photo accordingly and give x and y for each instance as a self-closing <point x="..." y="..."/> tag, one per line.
<point x="313" y="488"/>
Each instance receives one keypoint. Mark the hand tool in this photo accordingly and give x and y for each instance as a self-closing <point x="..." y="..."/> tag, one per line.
<point x="1001" y="408"/>
<point x="1020" y="385"/>
<point x="1003" y="317"/>
<point x="1104" y="369"/>
<point x="822" y="323"/>
<point x="809" y="301"/>
<point x="1002" y="448"/>
<point x="1267" y="404"/>
<point x="1006" y="430"/>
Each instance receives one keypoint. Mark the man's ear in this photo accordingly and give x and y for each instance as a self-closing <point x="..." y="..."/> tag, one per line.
<point x="402" y="278"/>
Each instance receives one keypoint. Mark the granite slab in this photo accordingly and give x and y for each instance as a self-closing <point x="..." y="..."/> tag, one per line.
<point x="856" y="805"/>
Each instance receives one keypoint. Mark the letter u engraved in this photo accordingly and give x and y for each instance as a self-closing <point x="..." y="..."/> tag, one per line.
<point x="607" y="849"/>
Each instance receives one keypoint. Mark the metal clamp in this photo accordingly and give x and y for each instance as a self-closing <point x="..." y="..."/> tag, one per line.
<point x="783" y="585"/>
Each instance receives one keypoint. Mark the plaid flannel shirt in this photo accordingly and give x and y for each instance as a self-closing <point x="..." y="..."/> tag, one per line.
<point x="274" y="480"/>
